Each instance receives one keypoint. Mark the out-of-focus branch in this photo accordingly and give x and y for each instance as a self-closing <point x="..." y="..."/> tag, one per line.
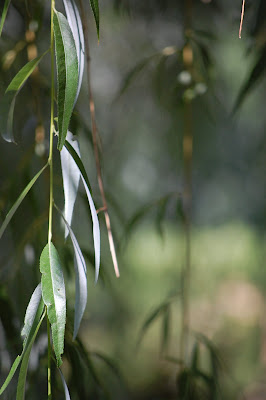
<point x="241" y="19"/>
<point x="95" y="146"/>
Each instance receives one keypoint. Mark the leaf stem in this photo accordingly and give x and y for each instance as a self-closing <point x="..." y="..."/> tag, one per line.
<point x="49" y="359"/>
<point x="50" y="159"/>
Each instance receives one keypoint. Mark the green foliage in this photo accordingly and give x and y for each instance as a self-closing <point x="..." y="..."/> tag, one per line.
<point x="4" y="13"/>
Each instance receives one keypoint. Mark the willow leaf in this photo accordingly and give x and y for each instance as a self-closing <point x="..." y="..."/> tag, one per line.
<point x="25" y="362"/>
<point x="67" y="395"/>
<point x="75" y="24"/>
<point x="11" y="374"/>
<point x="21" y="77"/>
<point x="67" y="73"/>
<point x="19" y="200"/>
<point x="81" y="279"/>
<point x="95" y="221"/>
<point x="7" y="106"/>
<point x="71" y="177"/>
<point x="96" y="13"/>
<point x="33" y="314"/>
<point x="4" y="13"/>
<point x="54" y="297"/>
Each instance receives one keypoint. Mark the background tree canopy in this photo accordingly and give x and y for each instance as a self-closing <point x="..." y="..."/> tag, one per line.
<point x="180" y="112"/>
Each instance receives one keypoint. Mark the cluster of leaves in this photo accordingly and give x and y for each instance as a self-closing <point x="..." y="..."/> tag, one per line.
<point x="49" y="297"/>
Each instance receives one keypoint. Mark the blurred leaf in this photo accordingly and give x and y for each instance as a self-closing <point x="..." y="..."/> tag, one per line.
<point x="95" y="9"/>
<point x="71" y="177"/>
<point x="165" y="328"/>
<point x="81" y="278"/>
<point x="19" y="200"/>
<point x="195" y="357"/>
<point x="67" y="395"/>
<point x="54" y="296"/>
<point x="24" y="363"/>
<point x="7" y="106"/>
<point x="95" y="221"/>
<point x="4" y="13"/>
<point x="109" y="362"/>
<point x="11" y="373"/>
<point x="75" y="24"/>
<point x="161" y="215"/>
<point x="25" y="72"/>
<point x="67" y="74"/>
<point x="256" y="74"/>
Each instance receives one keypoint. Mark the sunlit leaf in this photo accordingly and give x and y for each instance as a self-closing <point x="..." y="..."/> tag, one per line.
<point x="95" y="221"/>
<point x="67" y="73"/>
<point x="25" y="362"/>
<point x="96" y="13"/>
<point x="71" y="177"/>
<point x="21" y="77"/>
<point x="4" y="13"/>
<point x="81" y="279"/>
<point x="67" y="395"/>
<point x="54" y="296"/>
<point x="75" y="24"/>
<point x="19" y="200"/>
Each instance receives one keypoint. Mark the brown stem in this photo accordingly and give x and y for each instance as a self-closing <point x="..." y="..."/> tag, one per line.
<point x="95" y="146"/>
<point x="242" y="17"/>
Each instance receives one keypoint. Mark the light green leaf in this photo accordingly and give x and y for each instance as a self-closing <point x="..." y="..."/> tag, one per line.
<point x="25" y="362"/>
<point x="19" y="200"/>
<point x="54" y="296"/>
<point x="75" y="24"/>
<point x="67" y="74"/>
<point x="21" y="77"/>
<point x="95" y="221"/>
<point x="81" y="278"/>
<point x="96" y="13"/>
<point x="4" y="13"/>
<point x="71" y="178"/>
<point x="11" y="374"/>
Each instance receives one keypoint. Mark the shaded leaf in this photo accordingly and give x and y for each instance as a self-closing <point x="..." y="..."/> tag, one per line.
<point x="4" y="13"/>
<point x="95" y="9"/>
<point x="25" y="362"/>
<point x="81" y="279"/>
<point x="7" y="106"/>
<point x="71" y="177"/>
<point x="95" y="221"/>
<point x="165" y="328"/>
<point x="67" y="73"/>
<point x="33" y="314"/>
<point x="21" y="77"/>
<point x="11" y="374"/>
<point x="75" y="24"/>
<point x="54" y="297"/>
<point x="67" y="395"/>
<point x="19" y="200"/>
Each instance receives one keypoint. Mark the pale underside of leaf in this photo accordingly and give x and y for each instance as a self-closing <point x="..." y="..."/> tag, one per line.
<point x="75" y="24"/>
<point x="67" y="395"/>
<point x="71" y="178"/>
<point x="4" y="13"/>
<point x="81" y="278"/>
<point x="67" y="74"/>
<point x="19" y="200"/>
<point x="54" y="297"/>
<point x="95" y="221"/>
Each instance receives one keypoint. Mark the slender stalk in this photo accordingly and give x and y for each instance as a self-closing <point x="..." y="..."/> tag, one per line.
<point x="49" y="359"/>
<point x="95" y="146"/>
<point x="241" y="19"/>
<point x="50" y="159"/>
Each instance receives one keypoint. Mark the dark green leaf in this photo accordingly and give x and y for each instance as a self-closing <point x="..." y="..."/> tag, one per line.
<point x="11" y="374"/>
<point x="165" y="328"/>
<point x="7" y="106"/>
<point x="54" y="296"/>
<point x="96" y="13"/>
<point x="19" y="200"/>
<point x="4" y="13"/>
<point x="67" y="74"/>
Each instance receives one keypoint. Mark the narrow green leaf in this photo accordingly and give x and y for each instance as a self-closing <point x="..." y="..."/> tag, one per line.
<point x="96" y="13"/>
<point x="67" y="395"/>
<point x="11" y="374"/>
<point x="19" y="200"/>
<point x="67" y="73"/>
<point x="81" y="278"/>
<point x="165" y="328"/>
<point x="71" y="178"/>
<point x="54" y="296"/>
<point x="33" y="315"/>
<point x="4" y="13"/>
<point x="7" y="106"/>
<point x="75" y="24"/>
<point x="25" y="362"/>
<point x="95" y="221"/>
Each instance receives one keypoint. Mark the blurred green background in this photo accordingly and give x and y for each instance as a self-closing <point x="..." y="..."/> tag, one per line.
<point x="141" y="87"/>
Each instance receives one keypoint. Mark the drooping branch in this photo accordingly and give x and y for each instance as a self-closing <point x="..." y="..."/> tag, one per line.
<point x="94" y="129"/>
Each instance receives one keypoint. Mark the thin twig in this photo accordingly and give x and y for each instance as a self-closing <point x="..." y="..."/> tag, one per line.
<point x="95" y="146"/>
<point x="242" y="17"/>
